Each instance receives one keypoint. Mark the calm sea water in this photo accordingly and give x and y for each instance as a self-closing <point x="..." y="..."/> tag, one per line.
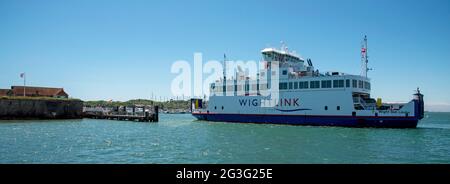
<point x="181" y="139"/>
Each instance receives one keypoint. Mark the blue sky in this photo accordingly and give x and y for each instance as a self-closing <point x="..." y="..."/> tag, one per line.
<point x="123" y="50"/>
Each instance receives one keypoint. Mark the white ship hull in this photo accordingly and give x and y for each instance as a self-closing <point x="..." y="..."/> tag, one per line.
<point x="335" y="108"/>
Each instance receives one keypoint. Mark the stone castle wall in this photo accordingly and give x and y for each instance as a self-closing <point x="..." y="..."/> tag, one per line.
<point x="40" y="109"/>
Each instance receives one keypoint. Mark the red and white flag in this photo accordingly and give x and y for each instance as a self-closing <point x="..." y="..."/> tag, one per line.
<point x="22" y="75"/>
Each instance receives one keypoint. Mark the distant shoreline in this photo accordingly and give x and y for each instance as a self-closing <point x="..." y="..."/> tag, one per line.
<point x="171" y="105"/>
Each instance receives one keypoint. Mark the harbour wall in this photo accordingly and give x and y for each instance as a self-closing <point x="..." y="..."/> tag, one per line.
<point x="40" y="108"/>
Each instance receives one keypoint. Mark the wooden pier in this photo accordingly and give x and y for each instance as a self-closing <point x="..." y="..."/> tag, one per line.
<point x="122" y="113"/>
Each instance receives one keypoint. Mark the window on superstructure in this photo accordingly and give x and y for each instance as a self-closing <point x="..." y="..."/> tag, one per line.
<point x="290" y="85"/>
<point x="314" y="84"/>
<point x="360" y="84"/>
<point x="283" y="86"/>
<point x="326" y="84"/>
<point x="304" y="85"/>
<point x="296" y="85"/>
<point x="338" y="83"/>
<point x="284" y="72"/>
<point x="354" y="83"/>
<point x="367" y="85"/>
<point x="347" y="83"/>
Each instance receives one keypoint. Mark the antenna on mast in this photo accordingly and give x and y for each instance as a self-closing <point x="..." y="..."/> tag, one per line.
<point x="364" y="58"/>
<point x="224" y="74"/>
<point x="224" y="66"/>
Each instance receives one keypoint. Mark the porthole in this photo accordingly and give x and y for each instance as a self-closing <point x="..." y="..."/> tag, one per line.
<point x="326" y="108"/>
<point x="338" y="108"/>
<point x="222" y="107"/>
<point x="215" y="107"/>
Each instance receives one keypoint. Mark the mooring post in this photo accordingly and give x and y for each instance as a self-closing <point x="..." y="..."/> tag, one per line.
<point x="156" y="118"/>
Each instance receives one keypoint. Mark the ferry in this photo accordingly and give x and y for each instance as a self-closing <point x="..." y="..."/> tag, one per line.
<point x="302" y="95"/>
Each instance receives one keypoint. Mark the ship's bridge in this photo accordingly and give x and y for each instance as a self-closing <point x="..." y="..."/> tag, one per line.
<point x="273" y="54"/>
<point x="289" y="62"/>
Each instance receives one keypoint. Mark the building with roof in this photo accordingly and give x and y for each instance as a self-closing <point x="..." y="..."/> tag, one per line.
<point x="32" y="91"/>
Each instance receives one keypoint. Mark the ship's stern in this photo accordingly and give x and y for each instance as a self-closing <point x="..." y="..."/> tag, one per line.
<point x="197" y="109"/>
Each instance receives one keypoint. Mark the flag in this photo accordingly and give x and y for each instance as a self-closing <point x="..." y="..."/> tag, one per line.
<point x="22" y="75"/>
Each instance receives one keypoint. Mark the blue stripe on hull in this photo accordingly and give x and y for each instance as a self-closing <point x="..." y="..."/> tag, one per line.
<point x="386" y="122"/>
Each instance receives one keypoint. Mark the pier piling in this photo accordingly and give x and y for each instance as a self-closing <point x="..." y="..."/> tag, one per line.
<point x="116" y="113"/>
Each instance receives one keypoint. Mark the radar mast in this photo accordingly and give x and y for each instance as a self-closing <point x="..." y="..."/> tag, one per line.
<point x="364" y="58"/>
